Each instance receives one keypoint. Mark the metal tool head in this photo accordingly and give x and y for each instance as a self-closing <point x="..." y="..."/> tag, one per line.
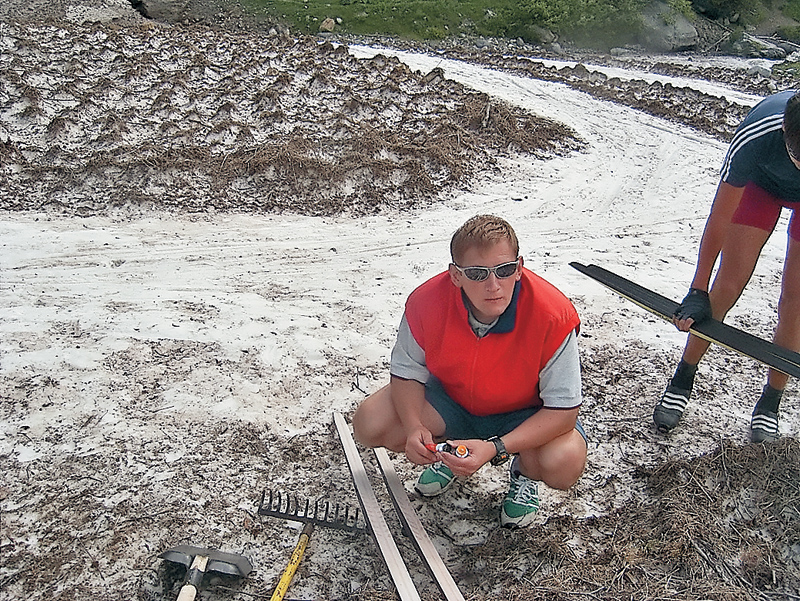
<point x="218" y="561"/>
<point x="319" y="512"/>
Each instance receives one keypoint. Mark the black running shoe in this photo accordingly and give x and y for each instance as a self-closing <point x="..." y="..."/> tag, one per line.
<point x="670" y="408"/>
<point x="764" y="426"/>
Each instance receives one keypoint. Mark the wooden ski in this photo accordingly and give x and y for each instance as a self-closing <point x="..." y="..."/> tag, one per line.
<point x="374" y="515"/>
<point x="419" y="537"/>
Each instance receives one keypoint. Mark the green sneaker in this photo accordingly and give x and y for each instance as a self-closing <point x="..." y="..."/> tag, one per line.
<point x="436" y="479"/>
<point x="521" y="502"/>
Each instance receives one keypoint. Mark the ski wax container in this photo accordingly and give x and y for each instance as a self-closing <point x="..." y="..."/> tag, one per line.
<point x="460" y="451"/>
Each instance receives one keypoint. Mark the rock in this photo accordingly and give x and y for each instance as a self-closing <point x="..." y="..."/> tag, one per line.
<point x="327" y="25"/>
<point x="538" y="35"/>
<point x="786" y="46"/>
<point x="162" y="10"/>
<point x="666" y="30"/>
<point x="434" y="77"/>
<point x="758" y="48"/>
<point x="620" y="52"/>
<point x="758" y="70"/>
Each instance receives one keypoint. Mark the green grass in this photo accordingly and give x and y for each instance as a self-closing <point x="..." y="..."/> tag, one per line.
<point x="433" y="19"/>
<point x="790" y="33"/>
<point x="588" y="22"/>
<point x="419" y="19"/>
<point x="787" y="67"/>
<point x="792" y="9"/>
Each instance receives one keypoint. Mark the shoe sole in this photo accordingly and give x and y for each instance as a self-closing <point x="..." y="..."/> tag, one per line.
<point x="515" y="525"/>
<point x="441" y="491"/>
<point x="663" y="427"/>
<point x="431" y="495"/>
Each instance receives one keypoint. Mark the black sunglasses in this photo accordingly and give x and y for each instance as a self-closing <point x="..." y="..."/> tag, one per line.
<point x="479" y="274"/>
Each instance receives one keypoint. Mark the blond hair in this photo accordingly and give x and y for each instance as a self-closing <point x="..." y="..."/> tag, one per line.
<point x="482" y="231"/>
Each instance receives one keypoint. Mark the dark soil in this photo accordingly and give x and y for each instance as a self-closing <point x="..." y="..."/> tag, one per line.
<point x="198" y="120"/>
<point x="192" y="118"/>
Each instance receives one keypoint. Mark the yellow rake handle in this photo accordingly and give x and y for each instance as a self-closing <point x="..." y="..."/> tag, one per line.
<point x="294" y="562"/>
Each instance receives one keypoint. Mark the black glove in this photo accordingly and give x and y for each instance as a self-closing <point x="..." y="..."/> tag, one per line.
<point x="695" y="305"/>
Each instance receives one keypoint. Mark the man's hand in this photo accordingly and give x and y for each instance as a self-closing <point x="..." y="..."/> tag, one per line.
<point x="694" y="308"/>
<point x="417" y="443"/>
<point x="480" y="453"/>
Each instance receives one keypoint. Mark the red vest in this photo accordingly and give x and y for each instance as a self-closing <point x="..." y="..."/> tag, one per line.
<point x="499" y="372"/>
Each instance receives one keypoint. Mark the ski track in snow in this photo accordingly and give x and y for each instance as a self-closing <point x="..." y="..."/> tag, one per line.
<point x="635" y="200"/>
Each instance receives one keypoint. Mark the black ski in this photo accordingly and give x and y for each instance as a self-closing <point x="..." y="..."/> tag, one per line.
<point x="766" y="352"/>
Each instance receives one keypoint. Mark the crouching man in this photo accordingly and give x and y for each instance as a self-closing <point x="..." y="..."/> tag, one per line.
<point x="486" y="357"/>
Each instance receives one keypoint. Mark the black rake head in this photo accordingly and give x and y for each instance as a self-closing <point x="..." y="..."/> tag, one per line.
<point x="319" y="512"/>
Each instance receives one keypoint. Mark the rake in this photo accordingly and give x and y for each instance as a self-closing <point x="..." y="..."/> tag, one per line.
<point x="318" y="513"/>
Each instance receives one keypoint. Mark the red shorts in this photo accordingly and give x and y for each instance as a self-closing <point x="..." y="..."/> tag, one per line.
<point x="758" y="208"/>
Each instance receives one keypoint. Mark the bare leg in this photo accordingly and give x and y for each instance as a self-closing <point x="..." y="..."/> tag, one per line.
<point x="376" y="422"/>
<point x="787" y="332"/>
<point x="726" y="201"/>
<point x="559" y="463"/>
<point x="740" y="253"/>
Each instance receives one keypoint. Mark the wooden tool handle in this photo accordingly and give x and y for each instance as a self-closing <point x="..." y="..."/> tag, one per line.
<point x="193" y="578"/>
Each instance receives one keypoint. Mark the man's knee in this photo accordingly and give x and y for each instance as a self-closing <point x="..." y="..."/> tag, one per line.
<point x="561" y="463"/>
<point x="789" y="308"/>
<point x="569" y="470"/>
<point x="364" y="426"/>
<point x="375" y="422"/>
<point x="723" y="295"/>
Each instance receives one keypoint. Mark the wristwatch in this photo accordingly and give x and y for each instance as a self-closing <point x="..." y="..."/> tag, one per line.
<point x="501" y="455"/>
